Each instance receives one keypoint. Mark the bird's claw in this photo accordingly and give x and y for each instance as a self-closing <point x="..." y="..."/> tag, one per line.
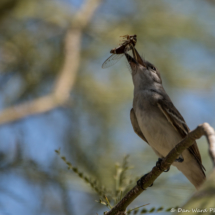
<point x="142" y="180"/>
<point x="158" y="164"/>
<point x="180" y="159"/>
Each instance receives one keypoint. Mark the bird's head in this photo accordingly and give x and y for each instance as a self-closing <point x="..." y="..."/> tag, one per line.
<point x="144" y="74"/>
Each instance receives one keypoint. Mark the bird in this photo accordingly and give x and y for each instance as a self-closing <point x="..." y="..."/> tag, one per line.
<point x="156" y="120"/>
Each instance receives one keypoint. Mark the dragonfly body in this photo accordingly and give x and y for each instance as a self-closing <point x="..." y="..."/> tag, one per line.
<point x="126" y="45"/>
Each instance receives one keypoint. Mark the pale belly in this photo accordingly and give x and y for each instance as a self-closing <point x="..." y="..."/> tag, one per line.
<point x="160" y="134"/>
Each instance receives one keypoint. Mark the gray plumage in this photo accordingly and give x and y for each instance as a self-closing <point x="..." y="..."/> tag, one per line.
<point x="156" y="120"/>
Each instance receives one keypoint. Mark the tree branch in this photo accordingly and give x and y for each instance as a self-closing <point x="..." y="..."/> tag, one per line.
<point x="36" y="106"/>
<point x="66" y="79"/>
<point x="71" y="64"/>
<point x="204" y="129"/>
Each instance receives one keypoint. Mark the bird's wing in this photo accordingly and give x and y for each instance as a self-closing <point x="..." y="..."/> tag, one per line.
<point x="178" y="122"/>
<point x="136" y="126"/>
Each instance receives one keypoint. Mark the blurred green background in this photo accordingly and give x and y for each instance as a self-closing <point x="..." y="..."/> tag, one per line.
<point x="93" y="128"/>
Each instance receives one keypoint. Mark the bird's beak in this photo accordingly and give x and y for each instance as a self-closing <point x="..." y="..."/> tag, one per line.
<point x="137" y="57"/>
<point x="135" y="60"/>
<point x="132" y="62"/>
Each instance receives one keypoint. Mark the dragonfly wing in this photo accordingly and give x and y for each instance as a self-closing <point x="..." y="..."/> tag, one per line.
<point x="111" y="60"/>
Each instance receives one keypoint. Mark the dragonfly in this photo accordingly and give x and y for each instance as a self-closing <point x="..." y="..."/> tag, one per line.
<point x="127" y="44"/>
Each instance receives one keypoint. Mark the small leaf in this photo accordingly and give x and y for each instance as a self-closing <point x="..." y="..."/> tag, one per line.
<point x="104" y="203"/>
<point x="159" y="209"/>
<point x="63" y="158"/>
<point x="152" y="210"/>
<point x="86" y="179"/>
<point x="144" y="211"/>
<point x="169" y="209"/>
<point x="136" y="211"/>
<point x="75" y="169"/>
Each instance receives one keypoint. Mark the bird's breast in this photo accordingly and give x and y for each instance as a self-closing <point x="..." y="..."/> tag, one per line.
<point x="160" y="134"/>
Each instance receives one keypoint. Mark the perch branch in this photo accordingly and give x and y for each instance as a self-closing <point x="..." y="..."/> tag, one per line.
<point x="204" y="129"/>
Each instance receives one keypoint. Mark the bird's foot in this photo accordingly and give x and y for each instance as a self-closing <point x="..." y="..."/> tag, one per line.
<point x="142" y="180"/>
<point x="158" y="164"/>
<point x="180" y="159"/>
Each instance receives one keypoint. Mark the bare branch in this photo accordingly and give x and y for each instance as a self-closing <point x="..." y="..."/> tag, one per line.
<point x="68" y="73"/>
<point x="66" y="79"/>
<point x="72" y="50"/>
<point x="204" y="129"/>
<point x="37" y="106"/>
<point x="209" y="133"/>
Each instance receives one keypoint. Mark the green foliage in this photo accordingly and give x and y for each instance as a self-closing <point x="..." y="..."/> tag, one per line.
<point x="152" y="210"/>
<point x="122" y="184"/>
<point x="122" y="181"/>
<point x="100" y="190"/>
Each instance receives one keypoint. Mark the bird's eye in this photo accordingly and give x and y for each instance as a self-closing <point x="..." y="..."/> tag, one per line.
<point x="153" y="68"/>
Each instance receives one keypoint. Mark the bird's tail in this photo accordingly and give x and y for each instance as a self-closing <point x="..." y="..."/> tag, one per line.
<point x="192" y="170"/>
